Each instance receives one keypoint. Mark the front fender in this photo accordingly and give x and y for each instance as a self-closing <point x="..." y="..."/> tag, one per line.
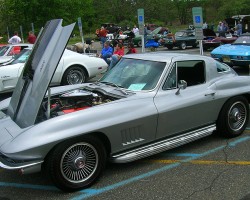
<point x="116" y="120"/>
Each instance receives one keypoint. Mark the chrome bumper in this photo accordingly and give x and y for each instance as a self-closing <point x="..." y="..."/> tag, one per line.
<point x="31" y="166"/>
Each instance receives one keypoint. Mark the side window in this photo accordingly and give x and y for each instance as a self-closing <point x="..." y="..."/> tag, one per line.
<point x="171" y="82"/>
<point x="221" y="67"/>
<point x="191" y="71"/>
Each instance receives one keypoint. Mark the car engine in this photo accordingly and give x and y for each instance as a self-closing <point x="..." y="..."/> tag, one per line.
<point x="72" y="101"/>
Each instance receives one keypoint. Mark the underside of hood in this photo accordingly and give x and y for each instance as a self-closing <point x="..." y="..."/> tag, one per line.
<point x="38" y="72"/>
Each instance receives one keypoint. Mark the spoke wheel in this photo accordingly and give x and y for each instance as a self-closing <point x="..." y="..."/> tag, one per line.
<point x="237" y="116"/>
<point x="74" y="75"/>
<point x="77" y="163"/>
<point x="233" y="117"/>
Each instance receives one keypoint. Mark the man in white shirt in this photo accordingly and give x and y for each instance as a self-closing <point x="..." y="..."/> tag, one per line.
<point x="135" y="29"/>
<point x="15" y="39"/>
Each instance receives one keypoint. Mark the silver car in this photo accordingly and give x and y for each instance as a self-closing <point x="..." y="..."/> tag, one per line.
<point x="146" y="104"/>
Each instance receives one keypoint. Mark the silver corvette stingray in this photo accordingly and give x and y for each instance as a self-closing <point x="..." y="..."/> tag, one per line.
<point x="146" y="104"/>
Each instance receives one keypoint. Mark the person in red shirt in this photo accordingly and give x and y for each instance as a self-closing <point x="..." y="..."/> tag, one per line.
<point x="103" y="35"/>
<point x="131" y="48"/>
<point x="31" y="38"/>
<point x="118" y="53"/>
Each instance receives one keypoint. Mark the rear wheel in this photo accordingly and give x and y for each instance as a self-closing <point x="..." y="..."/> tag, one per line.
<point x="76" y="164"/>
<point x="233" y="117"/>
<point x="74" y="75"/>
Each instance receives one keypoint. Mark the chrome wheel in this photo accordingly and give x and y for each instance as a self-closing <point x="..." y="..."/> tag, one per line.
<point x="183" y="46"/>
<point x="237" y="116"/>
<point x="75" y="76"/>
<point x="79" y="162"/>
<point x="233" y="117"/>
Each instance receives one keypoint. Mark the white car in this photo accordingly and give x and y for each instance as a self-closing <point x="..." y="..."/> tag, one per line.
<point x="73" y="68"/>
<point x="8" y="52"/>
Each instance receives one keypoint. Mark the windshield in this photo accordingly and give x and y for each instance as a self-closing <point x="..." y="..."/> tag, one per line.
<point x="135" y="75"/>
<point x="3" y="50"/>
<point x="179" y="33"/>
<point x="245" y="40"/>
<point x="22" y="57"/>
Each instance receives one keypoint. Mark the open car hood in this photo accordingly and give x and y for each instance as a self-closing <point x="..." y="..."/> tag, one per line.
<point x="38" y="72"/>
<point x="208" y="32"/>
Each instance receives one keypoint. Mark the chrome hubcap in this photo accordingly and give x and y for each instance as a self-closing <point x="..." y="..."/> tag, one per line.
<point x="237" y="116"/>
<point x="75" y="77"/>
<point x="79" y="162"/>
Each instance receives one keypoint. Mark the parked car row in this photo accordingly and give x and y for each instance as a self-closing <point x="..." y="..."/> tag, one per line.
<point x="184" y="38"/>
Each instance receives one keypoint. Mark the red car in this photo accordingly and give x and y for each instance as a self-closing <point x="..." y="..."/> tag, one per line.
<point x="213" y="40"/>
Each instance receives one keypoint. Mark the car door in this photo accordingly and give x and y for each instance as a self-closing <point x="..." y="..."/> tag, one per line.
<point x="191" y="39"/>
<point x="187" y="109"/>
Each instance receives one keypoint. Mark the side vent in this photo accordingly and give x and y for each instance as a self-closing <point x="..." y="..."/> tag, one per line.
<point x="131" y="135"/>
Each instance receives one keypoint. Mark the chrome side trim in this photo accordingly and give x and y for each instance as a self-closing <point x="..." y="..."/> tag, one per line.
<point x="163" y="145"/>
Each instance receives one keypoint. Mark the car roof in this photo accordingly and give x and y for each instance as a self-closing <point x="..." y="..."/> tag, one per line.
<point x="162" y="56"/>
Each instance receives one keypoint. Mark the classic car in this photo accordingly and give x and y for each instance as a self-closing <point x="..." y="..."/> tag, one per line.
<point x="147" y="103"/>
<point x="180" y="39"/>
<point x="235" y="54"/>
<point x="73" y="68"/>
<point x="10" y="50"/>
<point x="213" y="39"/>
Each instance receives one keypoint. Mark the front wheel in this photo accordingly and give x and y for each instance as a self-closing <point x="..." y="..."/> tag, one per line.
<point x="233" y="117"/>
<point x="183" y="45"/>
<point x="74" y="75"/>
<point x="139" y="44"/>
<point x="76" y="164"/>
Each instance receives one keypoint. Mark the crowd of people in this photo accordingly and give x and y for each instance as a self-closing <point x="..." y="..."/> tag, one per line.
<point x="112" y="55"/>
<point x="223" y="27"/>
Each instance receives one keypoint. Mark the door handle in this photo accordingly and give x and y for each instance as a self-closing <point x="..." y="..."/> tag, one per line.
<point x="210" y="94"/>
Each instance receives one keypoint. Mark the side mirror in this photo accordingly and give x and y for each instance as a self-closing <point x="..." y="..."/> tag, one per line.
<point x="181" y="86"/>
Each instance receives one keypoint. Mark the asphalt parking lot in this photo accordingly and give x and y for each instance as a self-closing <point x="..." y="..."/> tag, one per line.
<point x="212" y="168"/>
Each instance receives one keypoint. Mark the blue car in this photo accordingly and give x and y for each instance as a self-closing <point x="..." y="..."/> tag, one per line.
<point x="235" y="54"/>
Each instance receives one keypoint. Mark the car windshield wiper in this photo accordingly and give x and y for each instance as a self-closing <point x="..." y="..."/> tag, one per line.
<point x="117" y="86"/>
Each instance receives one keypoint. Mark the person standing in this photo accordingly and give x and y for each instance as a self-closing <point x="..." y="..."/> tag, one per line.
<point x="15" y="39"/>
<point x="103" y="35"/>
<point x="31" y="38"/>
<point x="135" y="30"/>
<point x="239" y="28"/>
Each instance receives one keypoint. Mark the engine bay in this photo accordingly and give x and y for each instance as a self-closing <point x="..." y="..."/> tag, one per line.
<point x="72" y="101"/>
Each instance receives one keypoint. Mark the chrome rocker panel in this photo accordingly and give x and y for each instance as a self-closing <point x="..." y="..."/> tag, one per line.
<point x="163" y="145"/>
